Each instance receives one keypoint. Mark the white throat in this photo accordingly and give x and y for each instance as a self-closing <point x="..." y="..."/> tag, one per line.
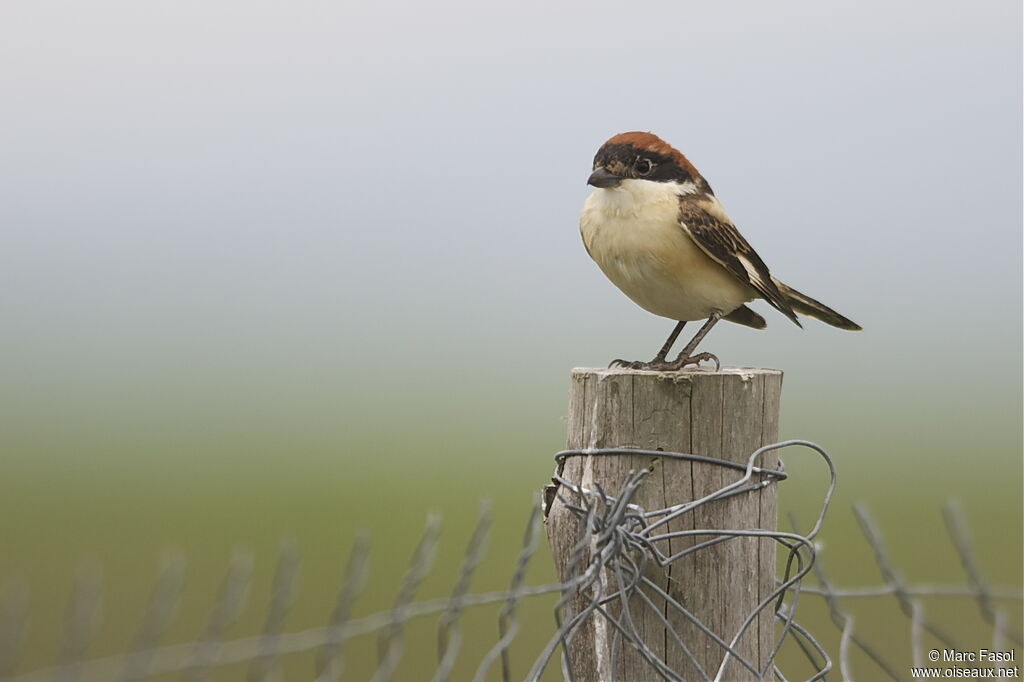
<point x="631" y="196"/>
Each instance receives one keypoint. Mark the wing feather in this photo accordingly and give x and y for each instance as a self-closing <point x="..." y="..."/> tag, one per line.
<point x="704" y="220"/>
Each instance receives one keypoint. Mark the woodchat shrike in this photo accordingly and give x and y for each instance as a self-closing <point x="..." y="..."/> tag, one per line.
<point x="657" y="231"/>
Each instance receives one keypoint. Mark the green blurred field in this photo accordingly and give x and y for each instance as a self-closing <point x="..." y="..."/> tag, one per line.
<point x="120" y="498"/>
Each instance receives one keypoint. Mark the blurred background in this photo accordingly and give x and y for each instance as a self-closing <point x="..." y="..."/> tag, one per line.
<point x="298" y="269"/>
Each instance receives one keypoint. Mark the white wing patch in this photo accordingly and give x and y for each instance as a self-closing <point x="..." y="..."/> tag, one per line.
<point x="752" y="273"/>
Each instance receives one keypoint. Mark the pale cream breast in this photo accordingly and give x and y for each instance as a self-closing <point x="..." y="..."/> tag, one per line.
<point x="632" y="232"/>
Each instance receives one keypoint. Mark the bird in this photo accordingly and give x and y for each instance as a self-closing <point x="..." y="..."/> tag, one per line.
<point x="656" y="229"/>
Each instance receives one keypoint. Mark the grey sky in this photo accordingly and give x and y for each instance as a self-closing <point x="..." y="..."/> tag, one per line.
<point x="196" y="187"/>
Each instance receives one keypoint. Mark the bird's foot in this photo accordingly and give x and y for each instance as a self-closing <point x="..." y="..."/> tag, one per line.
<point x="660" y="364"/>
<point x="681" y="361"/>
<point x="636" y="364"/>
<point x="657" y="364"/>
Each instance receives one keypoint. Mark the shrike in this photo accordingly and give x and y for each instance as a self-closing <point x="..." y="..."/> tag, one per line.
<point x="656" y="230"/>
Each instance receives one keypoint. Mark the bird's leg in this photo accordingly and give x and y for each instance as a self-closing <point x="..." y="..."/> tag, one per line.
<point x="686" y="358"/>
<point x="663" y="353"/>
<point x="659" y="360"/>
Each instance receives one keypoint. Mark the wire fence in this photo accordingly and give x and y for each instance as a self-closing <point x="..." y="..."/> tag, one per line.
<point x="618" y="541"/>
<point x="615" y="578"/>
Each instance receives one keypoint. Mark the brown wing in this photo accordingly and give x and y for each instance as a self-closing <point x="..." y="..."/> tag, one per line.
<point x="710" y="228"/>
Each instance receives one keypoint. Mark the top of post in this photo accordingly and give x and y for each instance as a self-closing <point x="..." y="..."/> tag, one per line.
<point x="681" y="375"/>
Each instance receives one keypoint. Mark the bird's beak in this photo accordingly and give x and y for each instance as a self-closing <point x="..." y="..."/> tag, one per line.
<point x="604" y="178"/>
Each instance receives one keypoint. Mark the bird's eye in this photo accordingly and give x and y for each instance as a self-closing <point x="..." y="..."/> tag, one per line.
<point x="643" y="166"/>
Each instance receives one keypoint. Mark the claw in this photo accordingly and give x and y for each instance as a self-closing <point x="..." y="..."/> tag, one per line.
<point x="660" y="365"/>
<point x="681" y="361"/>
<point x="657" y="365"/>
<point x="707" y="356"/>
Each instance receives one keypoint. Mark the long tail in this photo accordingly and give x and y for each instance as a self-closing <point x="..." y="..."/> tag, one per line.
<point x="805" y="305"/>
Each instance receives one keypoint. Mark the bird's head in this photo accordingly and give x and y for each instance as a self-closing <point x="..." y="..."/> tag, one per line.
<point x="644" y="157"/>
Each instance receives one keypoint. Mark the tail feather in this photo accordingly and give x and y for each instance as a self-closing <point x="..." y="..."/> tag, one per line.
<point x="805" y="305"/>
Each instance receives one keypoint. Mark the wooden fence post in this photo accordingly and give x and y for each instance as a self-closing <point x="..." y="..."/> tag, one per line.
<point x="726" y="414"/>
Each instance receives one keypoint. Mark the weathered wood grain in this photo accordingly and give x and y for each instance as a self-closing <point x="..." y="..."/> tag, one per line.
<point x="726" y="414"/>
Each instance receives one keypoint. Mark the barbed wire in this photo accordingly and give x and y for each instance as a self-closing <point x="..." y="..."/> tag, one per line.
<point x="618" y="544"/>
